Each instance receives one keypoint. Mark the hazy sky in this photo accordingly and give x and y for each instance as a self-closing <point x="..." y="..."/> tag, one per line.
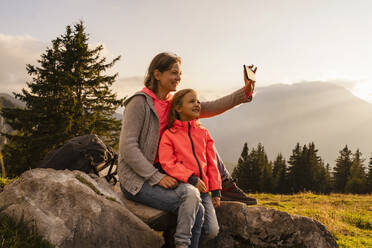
<point x="290" y="40"/>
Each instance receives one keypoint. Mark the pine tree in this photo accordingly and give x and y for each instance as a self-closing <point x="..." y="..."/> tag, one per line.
<point x="280" y="175"/>
<point x="260" y="175"/>
<point x="254" y="172"/>
<point x="369" y="177"/>
<point x="357" y="179"/>
<point x="240" y="171"/>
<point x="69" y="95"/>
<point x="342" y="169"/>
<point x="295" y="171"/>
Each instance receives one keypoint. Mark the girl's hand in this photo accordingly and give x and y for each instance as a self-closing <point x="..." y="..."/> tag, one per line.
<point x="168" y="182"/>
<point x="216" y="201"/>
<point x="249" y="84"/>
<point x="200" y="185"/>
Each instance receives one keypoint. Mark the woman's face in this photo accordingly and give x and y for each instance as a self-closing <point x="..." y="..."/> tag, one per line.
<point x="169" y="80"/>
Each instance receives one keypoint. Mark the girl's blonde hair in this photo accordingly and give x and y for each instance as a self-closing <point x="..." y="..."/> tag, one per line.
<point x="177" y="102"/>
<point x="162" y="62"/>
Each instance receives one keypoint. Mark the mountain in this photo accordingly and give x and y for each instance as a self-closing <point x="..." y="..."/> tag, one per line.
<point x="282" y="115"/>
<point x="7" y="101"/>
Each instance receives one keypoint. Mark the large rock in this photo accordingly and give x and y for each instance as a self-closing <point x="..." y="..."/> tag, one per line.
<point x="243" y="226"/>
<point x="70" y="209"/>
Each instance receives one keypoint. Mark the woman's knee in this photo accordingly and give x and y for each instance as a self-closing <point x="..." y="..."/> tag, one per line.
<point x="210" y="232"/>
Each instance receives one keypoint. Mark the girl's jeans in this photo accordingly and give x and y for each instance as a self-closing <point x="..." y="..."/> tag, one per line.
<point x="193" y="209"/>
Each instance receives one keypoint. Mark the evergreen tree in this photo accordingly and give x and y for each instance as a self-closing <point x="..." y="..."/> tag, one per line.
<point x="323" y="182"/>
<point x="240" y="171"/>
<point x="342" y="169"/>
<point x="69" y="95"/>
<point x="369" y="177"/>
<point x="357" y="179"/>
<point x="307" y="169"/>
<point x="261" y="174"/>
<point x="254" y="172"/>
<point x="295" y="171"/>
<point x="267" y="182"/>
<point x="279" y="175"/>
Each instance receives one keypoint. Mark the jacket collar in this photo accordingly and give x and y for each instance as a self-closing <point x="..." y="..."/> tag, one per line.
<point x="185" y="124"/>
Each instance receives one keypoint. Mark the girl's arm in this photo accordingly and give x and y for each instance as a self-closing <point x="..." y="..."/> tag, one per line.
<point x="169" y="162"/>
<point x="212" y="170"/>
<point x="216" y="107"/>
<point x="134" y="115"/>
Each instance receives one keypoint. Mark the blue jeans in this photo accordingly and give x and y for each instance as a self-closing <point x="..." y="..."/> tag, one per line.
<point x="193" y="209"/>
<point x="221" y="167"/>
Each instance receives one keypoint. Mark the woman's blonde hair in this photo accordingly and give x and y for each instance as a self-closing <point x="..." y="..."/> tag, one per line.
<point x="177" y="102"/>
<point x="162" y="62"/>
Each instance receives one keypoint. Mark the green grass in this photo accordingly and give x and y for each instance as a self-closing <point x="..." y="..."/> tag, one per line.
<point x="19" y="235"/>
<point x="3" y="182"/>
<point x="348" y="217"/>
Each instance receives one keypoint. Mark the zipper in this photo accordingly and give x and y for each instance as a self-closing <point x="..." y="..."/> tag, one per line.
<point x="193" y="151"/>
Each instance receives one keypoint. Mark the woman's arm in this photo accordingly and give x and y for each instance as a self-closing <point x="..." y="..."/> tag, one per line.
<point x="216" y="107"/>
<point x="134" y="115"/>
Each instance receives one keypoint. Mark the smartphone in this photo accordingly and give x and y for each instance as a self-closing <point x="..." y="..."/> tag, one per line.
<point x="249" y="73"/>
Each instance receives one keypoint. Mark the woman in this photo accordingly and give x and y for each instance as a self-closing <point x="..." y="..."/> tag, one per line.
<point x="145" y="120"/>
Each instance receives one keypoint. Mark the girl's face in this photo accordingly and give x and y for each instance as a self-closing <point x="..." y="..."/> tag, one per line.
<point x="169" y="80"/>
<point x="190" y="107"/>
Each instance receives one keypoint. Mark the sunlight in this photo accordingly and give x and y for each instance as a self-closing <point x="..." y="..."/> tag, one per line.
<point x="363" y="91"/>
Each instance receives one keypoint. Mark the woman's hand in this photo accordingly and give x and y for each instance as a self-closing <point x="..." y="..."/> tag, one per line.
<point x="216" y="201"/>
<point x="200" y="185"/>
<point x="249" y="84"/>
<point x="168" y="182"/>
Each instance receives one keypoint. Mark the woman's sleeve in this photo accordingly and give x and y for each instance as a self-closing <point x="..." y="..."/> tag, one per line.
<point x="213" y="173"/>
<point x="218" y="106"/>
<point x="134" y="115"/>
<point x="169" y="161"/>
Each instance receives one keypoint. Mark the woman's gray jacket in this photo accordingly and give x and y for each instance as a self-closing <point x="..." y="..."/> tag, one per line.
<point x="139" y="137"/>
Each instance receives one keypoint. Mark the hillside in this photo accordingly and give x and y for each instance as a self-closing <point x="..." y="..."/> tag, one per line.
<point x="282" y="115"/>
<point x="348" y="217"/>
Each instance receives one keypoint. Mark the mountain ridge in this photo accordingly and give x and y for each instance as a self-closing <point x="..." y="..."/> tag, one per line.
<point x="281" y="115"/>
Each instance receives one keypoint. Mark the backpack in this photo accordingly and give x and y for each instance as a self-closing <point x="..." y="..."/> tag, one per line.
<point x="86" y="153"/>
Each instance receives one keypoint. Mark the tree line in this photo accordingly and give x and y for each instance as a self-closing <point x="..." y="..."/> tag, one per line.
<point x="305" y="170"/>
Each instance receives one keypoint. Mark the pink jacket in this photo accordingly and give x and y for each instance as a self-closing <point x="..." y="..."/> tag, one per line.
<point x="187" y="149"/>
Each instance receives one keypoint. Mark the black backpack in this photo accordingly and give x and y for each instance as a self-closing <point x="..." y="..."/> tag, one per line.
<point x="86" y="153"/>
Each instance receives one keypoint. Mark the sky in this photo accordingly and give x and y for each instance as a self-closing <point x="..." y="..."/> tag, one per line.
<point x="289" y="40"/>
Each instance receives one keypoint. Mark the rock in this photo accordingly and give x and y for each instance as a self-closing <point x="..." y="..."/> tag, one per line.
<point x="243" y="226"/>
<point x="70" y="209"/>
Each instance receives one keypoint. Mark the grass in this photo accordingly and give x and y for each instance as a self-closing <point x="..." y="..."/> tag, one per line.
<point x="89" y="184"/>
<point x="3" y="182"/>
<point x="19" y="234"/>
<point x="348" y="217"/>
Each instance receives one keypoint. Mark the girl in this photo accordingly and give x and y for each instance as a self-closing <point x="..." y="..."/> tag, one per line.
<point x="186" y="153"/>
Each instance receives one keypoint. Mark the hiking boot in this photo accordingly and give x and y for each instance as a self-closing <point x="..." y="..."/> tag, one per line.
<point x="231" y="192"/>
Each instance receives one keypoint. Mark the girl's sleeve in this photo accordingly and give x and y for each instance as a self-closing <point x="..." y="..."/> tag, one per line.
<point x="218" y="106"/>
<point x="169" y="161"/>
<point x="129" y="149"/>
<point x="213" y="173"/>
